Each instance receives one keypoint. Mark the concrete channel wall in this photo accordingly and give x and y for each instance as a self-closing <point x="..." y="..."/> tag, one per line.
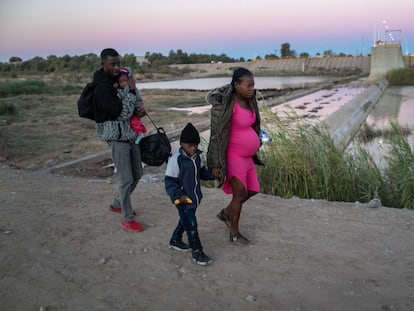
<point x="385" y="58"/>
<point x="344" y="123"/>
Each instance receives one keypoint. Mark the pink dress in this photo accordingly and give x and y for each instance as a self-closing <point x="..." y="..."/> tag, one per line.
<point x="137" y="125"/>
<point x="243" y="144"/>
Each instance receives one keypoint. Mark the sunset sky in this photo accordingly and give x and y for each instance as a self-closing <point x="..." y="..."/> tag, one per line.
<point x="237" y="28"/>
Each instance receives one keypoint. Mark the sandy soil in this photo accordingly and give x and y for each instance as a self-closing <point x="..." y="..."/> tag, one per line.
<point x="61" y="249"/>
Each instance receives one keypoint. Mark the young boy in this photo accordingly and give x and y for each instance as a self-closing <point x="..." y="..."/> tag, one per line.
<point x="182" y="183"/>
<point x="123" y="90"/>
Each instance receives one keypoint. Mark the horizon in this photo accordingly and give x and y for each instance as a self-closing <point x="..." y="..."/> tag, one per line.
<point x="236" y="28"/>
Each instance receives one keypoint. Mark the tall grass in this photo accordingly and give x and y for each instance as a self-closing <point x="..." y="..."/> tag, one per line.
<point x="303" y="161"/>
<point x="13" y="88"/>
<point x="400" y="171"/>
<point x="368" y="182"/>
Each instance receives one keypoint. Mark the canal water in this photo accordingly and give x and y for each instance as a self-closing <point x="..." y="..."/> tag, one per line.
<point x="395" y="105"/>
<point x="210" y="83"/>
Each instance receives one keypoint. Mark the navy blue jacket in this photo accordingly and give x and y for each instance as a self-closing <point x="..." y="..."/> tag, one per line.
<point x="183" y="176"/>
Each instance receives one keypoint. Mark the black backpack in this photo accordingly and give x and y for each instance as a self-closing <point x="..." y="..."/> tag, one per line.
<point x="85" y="102"/>
<point x="155" y="148"/>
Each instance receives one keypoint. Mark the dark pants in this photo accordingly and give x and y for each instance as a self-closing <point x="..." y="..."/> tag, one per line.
<point x="187" y="223"/>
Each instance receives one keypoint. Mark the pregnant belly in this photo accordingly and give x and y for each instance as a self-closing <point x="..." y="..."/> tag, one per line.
<point x="243" y="143"/>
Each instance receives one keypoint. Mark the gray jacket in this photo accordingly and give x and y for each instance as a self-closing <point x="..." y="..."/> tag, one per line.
<point x="120" y="129"/>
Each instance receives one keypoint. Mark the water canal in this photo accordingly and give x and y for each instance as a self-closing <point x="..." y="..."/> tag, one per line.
<point x="396" y="105"/>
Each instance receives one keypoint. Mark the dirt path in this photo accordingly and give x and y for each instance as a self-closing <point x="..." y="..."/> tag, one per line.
<point x="61" y="249"/>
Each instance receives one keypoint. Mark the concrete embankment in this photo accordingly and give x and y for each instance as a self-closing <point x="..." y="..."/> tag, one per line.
<point x="344" y="123"/>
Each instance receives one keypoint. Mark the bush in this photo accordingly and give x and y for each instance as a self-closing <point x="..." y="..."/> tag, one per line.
<point x="402" y="76"/>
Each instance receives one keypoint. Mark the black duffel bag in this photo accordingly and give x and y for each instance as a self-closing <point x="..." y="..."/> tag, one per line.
<point x="155" y="148"/>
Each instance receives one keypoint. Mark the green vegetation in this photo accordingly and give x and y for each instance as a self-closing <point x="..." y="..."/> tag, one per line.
<point x="302" y="161"/>
<point x="79" y="66"/>
<point x="13" y="88"/>
<point x="400" y="172"/>
<point x="31" y="87"/>
<point x="403" y="76"/>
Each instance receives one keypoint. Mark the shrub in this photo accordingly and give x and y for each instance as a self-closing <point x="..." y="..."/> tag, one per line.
<point x="402" y="76"/>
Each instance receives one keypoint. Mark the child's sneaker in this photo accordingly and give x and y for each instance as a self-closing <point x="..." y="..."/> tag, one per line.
<point x="201" y="259"/>
<point x="179" y="245"/>
<point x="132" y="226"/>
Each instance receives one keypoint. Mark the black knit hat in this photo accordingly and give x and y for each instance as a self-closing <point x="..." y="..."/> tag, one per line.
<point x="190" y="135"/>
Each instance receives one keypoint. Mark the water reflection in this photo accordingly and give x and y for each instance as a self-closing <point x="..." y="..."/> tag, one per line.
<point x="319" y="105"/>
<point x="396" y="105"/>
<point x="210" y="83"/>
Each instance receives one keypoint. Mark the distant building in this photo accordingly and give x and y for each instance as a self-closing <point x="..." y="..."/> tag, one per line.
<point x="141" y="59"/>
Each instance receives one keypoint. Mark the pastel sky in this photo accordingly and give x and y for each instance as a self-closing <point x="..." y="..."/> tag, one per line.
<point x="237" y="28"/>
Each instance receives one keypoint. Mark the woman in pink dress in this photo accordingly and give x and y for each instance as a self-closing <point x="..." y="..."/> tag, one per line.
<point x="234" y="143"/>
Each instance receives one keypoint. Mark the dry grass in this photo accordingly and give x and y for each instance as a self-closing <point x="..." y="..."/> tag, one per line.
<point x="46" y="129"/>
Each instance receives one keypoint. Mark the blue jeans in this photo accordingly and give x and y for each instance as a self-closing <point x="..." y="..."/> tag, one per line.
<point x="187" y="223"/>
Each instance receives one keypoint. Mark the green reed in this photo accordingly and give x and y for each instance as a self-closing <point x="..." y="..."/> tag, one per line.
<point x="399" y="174"/>
<point x="302" y="161"/>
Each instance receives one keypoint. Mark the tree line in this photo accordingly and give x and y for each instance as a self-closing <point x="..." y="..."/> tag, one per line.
<point x="154" y="62"/>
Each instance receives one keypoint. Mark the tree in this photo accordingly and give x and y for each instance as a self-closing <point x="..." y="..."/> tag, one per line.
<point x="285" y="51"/>
<point x="15" y="59"/>
<point x="271" y="56"/>
<point x="130" y="60"/>
<point x="328" y="53"/>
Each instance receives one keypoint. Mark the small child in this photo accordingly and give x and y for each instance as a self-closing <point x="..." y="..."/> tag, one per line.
<point x="123" y="89"/>
<point x="182" y="183"/>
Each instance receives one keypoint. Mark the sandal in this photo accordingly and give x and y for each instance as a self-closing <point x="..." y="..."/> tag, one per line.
<point x="224" y="218"/>
<point x="238" y="239"/>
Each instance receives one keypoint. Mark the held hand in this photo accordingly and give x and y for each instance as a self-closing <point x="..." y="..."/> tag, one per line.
<point x="139" y="112"/>
<point x="216" y="173"/>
